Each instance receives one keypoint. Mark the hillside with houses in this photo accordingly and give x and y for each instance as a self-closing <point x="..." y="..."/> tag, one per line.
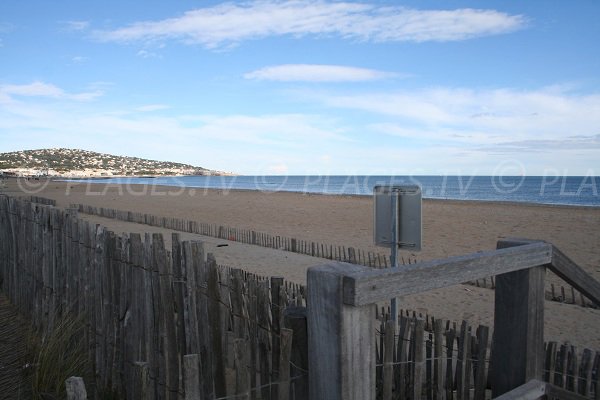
<point x="77" y="163"/>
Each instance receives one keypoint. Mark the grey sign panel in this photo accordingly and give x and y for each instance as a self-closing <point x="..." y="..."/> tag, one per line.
<point x="407" y="216"/>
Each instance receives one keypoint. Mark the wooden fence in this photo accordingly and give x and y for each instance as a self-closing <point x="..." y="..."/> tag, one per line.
<point x="332" y="252"/>
<point x="161" y="324"/>
<point x="42" y="200"/>
<point x="345" y="364"/>
<point x="338" y="253"/>
<point x="422" y="357"/>
<point x="174" y="325"/>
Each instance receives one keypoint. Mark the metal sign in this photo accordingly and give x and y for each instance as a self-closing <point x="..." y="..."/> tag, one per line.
<point x="397" y="212"/>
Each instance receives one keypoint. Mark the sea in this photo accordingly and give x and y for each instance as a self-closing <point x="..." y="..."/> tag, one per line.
<point x="558" y="190"/>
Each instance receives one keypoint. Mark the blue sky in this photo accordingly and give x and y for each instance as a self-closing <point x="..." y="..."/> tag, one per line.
<point x="308" y="87"/>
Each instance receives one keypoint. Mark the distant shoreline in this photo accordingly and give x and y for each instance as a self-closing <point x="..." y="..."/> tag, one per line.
<point x="359" y="186"/>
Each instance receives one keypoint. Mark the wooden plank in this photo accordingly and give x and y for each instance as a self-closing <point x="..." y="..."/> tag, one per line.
<point x="214" y="320"/>
<point x="574" y="275"/>
<point x="585" y="373"/>
<point x="561" y="370"/>
<point x="241" y="369"/>
<point x="284" y="364"/>
<point x="596" y="376"/>
<point x="371" y="286"/>
<point x="402" y="358"/>
<point x="419" y="360"/>
<point x="178" y="284"/>
<point x="388" y="359"/>
<point x="531" y="390"/>
<point x="449" y="384"/>
<point x="167" y="324"/>
<point x="553" y="391"/>
<point x="276" y="313"/>
<point x="550" y="363"/>
<point x="461" y="367"/>
<point x="481" y="367"/>
<point x="518" y="354"/>
<point x="294" y="318"/>
<point x="572" y="370"/>
<point x="429" y="387"/>
<point x="438" y="363"/>
<point x="341" y="360"/>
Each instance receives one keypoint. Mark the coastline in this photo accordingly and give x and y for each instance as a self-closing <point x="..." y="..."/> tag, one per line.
<point x="306" y="186"/>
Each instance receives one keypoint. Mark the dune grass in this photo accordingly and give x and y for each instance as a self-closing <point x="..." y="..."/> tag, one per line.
<point x="60" y="355"/>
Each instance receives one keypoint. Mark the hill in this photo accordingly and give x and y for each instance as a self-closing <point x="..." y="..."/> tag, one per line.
<point x="82" y="163"/>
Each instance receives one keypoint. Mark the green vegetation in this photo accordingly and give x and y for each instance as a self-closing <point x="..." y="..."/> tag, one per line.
<point x="60" y="355"/>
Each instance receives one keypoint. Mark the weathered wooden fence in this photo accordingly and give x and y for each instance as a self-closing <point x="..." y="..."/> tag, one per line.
<point x="42" y="200"/>
<point x="343" y="360"/>
<point x="161" y="324"/>
<point x="332" y="252"/>
<point x="422" y="357"/>
<point x="174" y="325"/>
<point x="338" y="253"/>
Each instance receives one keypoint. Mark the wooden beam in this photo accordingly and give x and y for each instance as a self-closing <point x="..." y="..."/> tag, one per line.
<point x="575" y="276"/>
<point x="371" y="286"/>
<point x="532" y="390"/>
<point x="518" y="353"/>
<point x="342" y="357"/>
<point x="565" y="268"/>
<point x="554" y="392"/>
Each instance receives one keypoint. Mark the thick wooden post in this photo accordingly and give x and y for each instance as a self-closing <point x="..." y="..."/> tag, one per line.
<point x="341" y="338"/>
<point x="518" y="354"/>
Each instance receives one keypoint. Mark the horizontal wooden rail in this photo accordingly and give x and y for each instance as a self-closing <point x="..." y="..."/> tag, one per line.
<point x="565" y="268"/>
<point x="531" y="390"/>
<point x="342" y="365"/>
<point x="555" y="392"/>
<point x="575" y="276"/>
<point x="371" y="286"/>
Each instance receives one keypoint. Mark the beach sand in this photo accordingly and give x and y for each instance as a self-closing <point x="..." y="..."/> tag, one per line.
<point x="449" y="228"/>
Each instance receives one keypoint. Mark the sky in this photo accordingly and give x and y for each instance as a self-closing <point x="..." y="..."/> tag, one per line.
<point x="309" y="87"/>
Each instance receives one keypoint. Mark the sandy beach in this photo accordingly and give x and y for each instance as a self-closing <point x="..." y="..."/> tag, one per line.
<point x="449" y="228"/>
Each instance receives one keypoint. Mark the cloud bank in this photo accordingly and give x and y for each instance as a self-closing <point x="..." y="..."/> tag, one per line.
<point x="229" y="23"/>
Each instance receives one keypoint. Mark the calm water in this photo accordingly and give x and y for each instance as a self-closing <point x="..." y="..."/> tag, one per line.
<point x="572" y="190"/>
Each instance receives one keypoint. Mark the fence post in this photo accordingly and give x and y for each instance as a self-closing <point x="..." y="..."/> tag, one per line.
<point x="294" y="318"/>
<point x="518" y="354"/>
<point x="75" y="388"/>
<point x="342" y="358"/>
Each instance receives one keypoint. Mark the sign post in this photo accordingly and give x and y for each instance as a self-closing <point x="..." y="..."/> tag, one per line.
<point x="397" y="221"/>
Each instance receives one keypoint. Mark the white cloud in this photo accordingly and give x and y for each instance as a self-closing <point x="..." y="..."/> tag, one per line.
<point x="316" y="73"/>
<point x="79" y="59"/>
<point x="229" y="23"/>
<point x="152" y="107"/>
<point x="41" y="89"/>
<point x="77" y="25"/>
<point x="147" y="54"/>
<point x="478" y="116"/>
